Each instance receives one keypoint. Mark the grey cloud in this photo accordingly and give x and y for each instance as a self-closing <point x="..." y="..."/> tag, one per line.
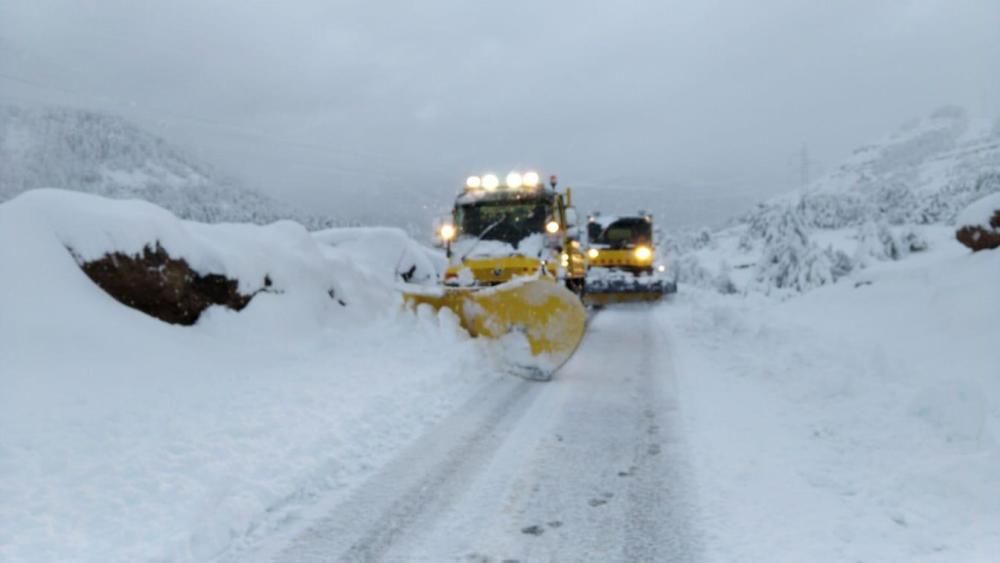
<point x="314" y="100"/>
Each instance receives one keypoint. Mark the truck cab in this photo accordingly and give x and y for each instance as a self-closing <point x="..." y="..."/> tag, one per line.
<point x="622" y="260"/>
<point x="520" y="227"/>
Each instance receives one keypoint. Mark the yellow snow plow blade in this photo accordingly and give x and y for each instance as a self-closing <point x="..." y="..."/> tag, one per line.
<point x="536" y="322"/>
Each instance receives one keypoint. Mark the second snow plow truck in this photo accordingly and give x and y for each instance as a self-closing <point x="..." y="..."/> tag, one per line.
<point x="621" y="261"/>
<point x="515" y="270"/>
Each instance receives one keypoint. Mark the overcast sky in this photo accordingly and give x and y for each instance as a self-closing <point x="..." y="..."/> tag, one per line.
<point x="698" y="99"/>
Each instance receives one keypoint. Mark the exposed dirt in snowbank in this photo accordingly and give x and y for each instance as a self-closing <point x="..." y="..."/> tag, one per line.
<point x="164" y="287"/>
<point x="125" y="438"/>
<point x="978" y="237"/>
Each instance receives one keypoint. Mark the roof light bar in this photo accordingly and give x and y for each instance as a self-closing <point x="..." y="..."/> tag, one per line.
<point x="490" y="182"/>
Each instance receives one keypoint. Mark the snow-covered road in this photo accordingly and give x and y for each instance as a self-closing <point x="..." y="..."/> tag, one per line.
<point x="858" y="421"/>
<point x="585" y="467"/>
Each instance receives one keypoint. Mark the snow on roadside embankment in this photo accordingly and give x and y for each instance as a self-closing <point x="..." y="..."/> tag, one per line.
<point x="860" y="421"/>
<point x="125" y="438"/>
<point x="875" y="206"/>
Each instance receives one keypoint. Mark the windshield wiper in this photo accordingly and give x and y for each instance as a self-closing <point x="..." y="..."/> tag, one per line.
<point x="482" y="234"/>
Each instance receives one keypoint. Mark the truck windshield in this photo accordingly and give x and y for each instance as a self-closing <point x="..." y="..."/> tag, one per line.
<point x="511" y="222"/>
<point x="621" y="233"/>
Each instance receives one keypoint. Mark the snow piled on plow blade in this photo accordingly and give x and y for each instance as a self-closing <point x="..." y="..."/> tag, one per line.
<point x="534" y="324"/>
<point x="605" y="286"/>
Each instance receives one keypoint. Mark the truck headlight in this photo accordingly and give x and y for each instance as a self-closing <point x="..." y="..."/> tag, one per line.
<point x="593" y="253"/>
<point x="490" y="181"/>
<point x="643" y="253"/>
<point x="447" y="232"/>
<point x="552" y="227"/>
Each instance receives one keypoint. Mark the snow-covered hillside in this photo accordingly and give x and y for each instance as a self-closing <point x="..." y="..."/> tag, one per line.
<point x="858" y="422"/>
<point x="107" y="155"/>
<point x="880" y="204"/>
<point x="945" y="149"/>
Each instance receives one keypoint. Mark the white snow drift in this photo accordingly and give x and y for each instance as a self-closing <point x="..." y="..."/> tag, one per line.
<point x="838" y="383"/>
<point x="128" y="439"/>
<point x="858" y="422"/>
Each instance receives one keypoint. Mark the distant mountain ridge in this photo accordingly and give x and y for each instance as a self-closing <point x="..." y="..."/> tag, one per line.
<point x="945" y="148"/>
<point x="882" y="204"/>
<point x="108" y="155"/>
<point x="924" y="173"/>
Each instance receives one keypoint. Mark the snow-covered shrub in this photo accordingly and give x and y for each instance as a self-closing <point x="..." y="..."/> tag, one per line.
<point x="747" y="240"/>
<point x="912" y="240"/>
<point x="842" y="264"/>
<point x="814" y="210"/>
<point x="670" y="245"/>
<point x="722" y="282"/>
<point x="690" y="271"/>
<point x="876" y="240"/>
<point x="793" y="262"/>
<point x="702" y="240"/>
<point x="794" y="267"/>
<point x="831" y="210"/>
<point x="988" y="183"/>
<point x="759" y="223"/>
<point x="893" y="202"/>
<point x="684" y="241"/>
<point x="944" y="205"/>
<point x="939" y="206"/>
<point x="756" y="222"/>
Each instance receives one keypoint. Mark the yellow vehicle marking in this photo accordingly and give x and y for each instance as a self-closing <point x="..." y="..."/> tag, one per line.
<point x="551" y="318"/>
<point x="504" y="268"/>
<point x="623" y="257"/>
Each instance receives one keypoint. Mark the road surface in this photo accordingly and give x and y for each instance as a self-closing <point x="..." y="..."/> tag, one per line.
<point x="588" y="466"/>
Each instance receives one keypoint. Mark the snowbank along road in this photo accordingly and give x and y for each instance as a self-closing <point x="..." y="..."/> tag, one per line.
<point x="588" y="466"/>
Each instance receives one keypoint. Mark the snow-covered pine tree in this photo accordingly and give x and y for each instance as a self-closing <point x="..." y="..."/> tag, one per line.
<point x="876" y="241"/>
<point x="790" y="260"/>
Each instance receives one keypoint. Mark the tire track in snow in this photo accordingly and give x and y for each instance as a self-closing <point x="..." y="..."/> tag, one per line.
<point x="440" y="464"/>
<point x="659" y="515"/>
<point x="612" y="484"/>
<point x="589" y="466"/>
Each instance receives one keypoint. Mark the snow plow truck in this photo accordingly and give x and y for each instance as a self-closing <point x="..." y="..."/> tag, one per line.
<point x="515" y="271"/>
<point x="622" y="261"/>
